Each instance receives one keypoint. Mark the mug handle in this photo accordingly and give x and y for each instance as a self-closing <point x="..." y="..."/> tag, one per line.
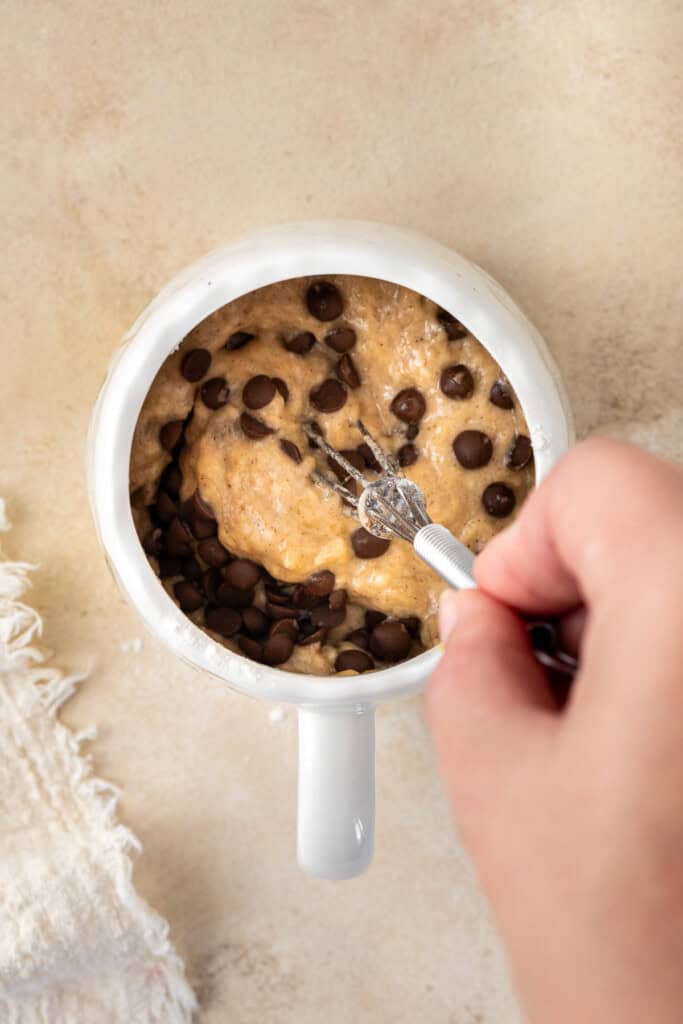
<point x="336" y="819"/>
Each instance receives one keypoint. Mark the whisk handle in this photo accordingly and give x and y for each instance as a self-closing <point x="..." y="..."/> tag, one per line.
<point x="446" y="555"/>
<point x="454" y="563"/>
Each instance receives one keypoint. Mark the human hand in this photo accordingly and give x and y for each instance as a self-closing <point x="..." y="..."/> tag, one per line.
<point x="574" y="817"/>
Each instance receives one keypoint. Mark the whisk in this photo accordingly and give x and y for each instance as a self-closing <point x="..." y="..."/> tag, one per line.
<point x="392" y="506"/>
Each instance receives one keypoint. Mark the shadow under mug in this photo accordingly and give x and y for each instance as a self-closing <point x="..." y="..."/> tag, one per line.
<point x="336" y="715"/>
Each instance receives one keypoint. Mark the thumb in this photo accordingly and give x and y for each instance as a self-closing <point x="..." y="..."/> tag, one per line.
<point x="488" y="704"/>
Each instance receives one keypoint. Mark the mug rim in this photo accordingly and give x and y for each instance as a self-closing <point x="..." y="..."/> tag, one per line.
<point x="289" y="251"/>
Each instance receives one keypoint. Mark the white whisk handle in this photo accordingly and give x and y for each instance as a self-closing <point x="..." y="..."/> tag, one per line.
<point x="452" y="560"/>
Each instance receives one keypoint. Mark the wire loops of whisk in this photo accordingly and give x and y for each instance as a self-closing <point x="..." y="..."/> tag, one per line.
<point x="390" y="505"/>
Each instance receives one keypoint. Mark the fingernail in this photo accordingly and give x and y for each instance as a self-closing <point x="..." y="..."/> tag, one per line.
<point x="448" y="613"/>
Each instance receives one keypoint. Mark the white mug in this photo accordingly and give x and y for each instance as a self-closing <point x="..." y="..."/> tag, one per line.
<point x="336" y="715"/>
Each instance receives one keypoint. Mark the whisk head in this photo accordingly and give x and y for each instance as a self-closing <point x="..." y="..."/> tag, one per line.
<point x="388" y="506"/>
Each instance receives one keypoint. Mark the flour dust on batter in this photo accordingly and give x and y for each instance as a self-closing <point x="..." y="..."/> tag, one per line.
<point x="249" y="547"/>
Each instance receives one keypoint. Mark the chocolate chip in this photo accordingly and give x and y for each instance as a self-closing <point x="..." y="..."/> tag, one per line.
<point x="201" y="507"/>
<point x="225" y="621"/>
<point x="366" y="545"/>
<point x="290" y="627"/>
<point x="188" y="595"/>
<point x="301" y="343"/>
<point x="169" y="567"/>
<point x="280" y="611"/>
<point x="390" y="641"/>
<point x="178" y="539"/>
<point x="165" y="508"/>
<point x="281" y="387"/>
<point x="328" y="618"/>
<point x="238" y="340"/>
<point x="195" y="364"/>
<point x="320" y="584"/>
<point x="186" y="510"/>
<point x="338" y="599"/>
<point x="171" y="480"/>
<point x="351" y="455"/>
<point x="198" y="515"/>
<point x="356" y="661"/>
<point x="355" y="457"/>
<point x="279" y="596"/>
<point x="407" y="455"/>
<point x="359" y="637"/>
<point x="520" y="453"/>
<point x="170" y="434"/>
<point x="254" y="428"/>
<point x="307" y="639"/>
<point x="211" y="581"/>
<point x="413" y="625"/>
<point x="153" y="542"/>
<point x="258" y="391"/>
<point x="412" y="430"/>
<point x="317" y="429"/>
<point x="453" y="328"/>
<point x="409" y="405"/>
<point x="347" y="372"/>
<point x="203" y="528"/>
<point x="213" y="553"/>
<point x="373" y="618"/>
<point x="498" y="500"/>
<point x="341" y="339"/>
<point x="252" y="648"/>
<point x="254" y="621"/>
<point x="290" y="449"/>
<point x="472" y="449"/>
<point x="328" y="396"/>
<point x="137" y="497"/>
<point x="303" y="598"/>
<point x="215" y="393"/>
<point x="365" y="450"/>
<point x="324" y="301"/>
<point x="501" y="394"/>
<point x="456" y="381"/>
<point x="191" y="569"/>
<point x="231" y="597"/>
<point x="277" y="649"/>
<point x="243" y="574"/>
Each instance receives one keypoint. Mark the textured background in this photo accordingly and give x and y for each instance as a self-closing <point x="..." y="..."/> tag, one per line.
<point x="544" y="141"/>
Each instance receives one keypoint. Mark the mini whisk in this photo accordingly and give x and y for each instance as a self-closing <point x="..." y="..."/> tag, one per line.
<point x="394" y="506"/>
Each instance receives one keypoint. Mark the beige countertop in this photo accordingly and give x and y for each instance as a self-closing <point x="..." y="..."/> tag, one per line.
<point x="542" y="140"/>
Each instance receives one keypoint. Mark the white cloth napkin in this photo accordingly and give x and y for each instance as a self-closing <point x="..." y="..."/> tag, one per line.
<point x="77" y="943"/>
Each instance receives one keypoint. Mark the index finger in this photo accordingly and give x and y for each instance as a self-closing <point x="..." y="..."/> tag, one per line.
<point x="608" y="516"/>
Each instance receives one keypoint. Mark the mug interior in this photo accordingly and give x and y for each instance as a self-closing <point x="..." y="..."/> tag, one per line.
<point x="290" y="252"/>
